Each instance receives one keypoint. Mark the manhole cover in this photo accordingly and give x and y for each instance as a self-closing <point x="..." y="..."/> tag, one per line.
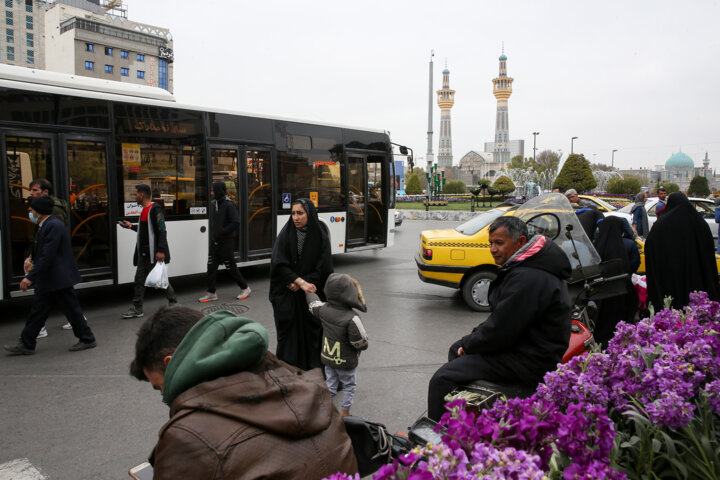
<point x="236" y="308"/>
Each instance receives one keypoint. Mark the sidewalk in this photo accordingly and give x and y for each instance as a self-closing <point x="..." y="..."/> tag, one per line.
<point x="449" y="215"/>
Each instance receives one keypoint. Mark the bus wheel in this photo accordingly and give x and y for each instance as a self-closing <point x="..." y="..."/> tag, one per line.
<point x="476" y="288"/>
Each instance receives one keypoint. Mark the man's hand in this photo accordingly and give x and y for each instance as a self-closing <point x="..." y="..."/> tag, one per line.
<point x="159" y="256"/>
<point x="461" y="352"/>
<point x="25" y="284"/>
<point x="27" y="264"/>
<point x="125" y="224"/>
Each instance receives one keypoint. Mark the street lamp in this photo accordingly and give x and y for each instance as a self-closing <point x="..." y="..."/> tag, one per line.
<point x="535" y="134"/>
<point x="612" y="161"/>
<point x="571" y="144"/>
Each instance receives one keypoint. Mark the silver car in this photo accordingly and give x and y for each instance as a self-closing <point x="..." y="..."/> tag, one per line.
<point x="705" y="207"/>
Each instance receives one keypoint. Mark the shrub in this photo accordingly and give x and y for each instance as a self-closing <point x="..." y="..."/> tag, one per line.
<point x="413" y="186"/>
<point x="454" y="186"/>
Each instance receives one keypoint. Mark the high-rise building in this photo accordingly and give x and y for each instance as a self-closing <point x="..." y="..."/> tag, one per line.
<point x="91" y="38"/>
<point x="445" y="100"/>
<point x="502" y="89"/>
<point x="22" y="38"/>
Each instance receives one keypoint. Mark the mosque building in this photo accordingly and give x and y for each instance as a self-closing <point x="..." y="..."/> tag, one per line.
<point x="445" y="100"/>
<point x="679" y="169"/>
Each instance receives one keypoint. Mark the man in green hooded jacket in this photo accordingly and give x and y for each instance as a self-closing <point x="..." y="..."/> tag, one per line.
<point x="236" y="410"/>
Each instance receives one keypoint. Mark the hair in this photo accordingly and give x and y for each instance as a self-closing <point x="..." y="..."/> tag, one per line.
<point x="661" y="189"/>
<point x="300" y="202"/>
<point x="559" y="188"/>
<point x="43" y="183"/>
<point x="144" y="189"/>
<point x="515" y="227"/>
<point x="359" y="290"/>
<point x="159" y="336"/>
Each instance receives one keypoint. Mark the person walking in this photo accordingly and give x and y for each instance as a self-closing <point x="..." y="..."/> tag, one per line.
<point x="151" y="247"/>
<point x="224" y="225"/>
<point x="680" y="255"/>
<point x="639" y="216"/>
<point x="53" y="275"/>
<point x="300" y="264"/>
<point x="344" y="335"/>
<point x="41" y="187"/>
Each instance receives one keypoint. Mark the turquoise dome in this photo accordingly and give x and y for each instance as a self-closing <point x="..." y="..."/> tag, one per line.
<point x="503" y="57"/>
<point x="680" y="160"/>
<point x="446" y="71"/>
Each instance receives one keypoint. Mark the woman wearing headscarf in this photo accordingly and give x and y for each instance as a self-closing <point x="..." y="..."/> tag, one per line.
<point x="680" y="255"/>
<point x="612" y="243"/>
<point x="639" y="216"/>
<point x="301" y="262"/>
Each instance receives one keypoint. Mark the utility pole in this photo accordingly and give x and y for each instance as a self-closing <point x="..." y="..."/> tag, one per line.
<point x="429" y="156"/>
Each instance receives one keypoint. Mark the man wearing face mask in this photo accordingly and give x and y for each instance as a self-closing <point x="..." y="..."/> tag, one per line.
<point x="53" y="275"/>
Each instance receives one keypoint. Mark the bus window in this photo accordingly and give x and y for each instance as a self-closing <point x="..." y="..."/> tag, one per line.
<point x="173" y="172"/>
<point x="302" y="174"/>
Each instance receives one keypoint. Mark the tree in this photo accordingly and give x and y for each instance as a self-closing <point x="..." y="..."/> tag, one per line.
<point x="699" y="187"/>
<point x="547" y="161"/>
<point x="504" y="185"/>
<point x="602" y="167"/>
<point x="421" y="175"/>
<point x="671" y="187"/>
<point x="576" y="173"/>
<point x="522" y="163"/>
<point x="624" y="185"/>
<point x="412" y="186"/>
<point x="454" y="186"/>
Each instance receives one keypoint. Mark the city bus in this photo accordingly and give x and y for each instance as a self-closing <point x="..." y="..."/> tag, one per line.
<point x="96" y="140"/>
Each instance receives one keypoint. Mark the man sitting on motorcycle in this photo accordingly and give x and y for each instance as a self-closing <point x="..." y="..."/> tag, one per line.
<point x="527" y="332"/>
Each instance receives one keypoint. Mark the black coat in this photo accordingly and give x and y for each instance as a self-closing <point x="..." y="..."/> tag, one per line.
<point x="299" y="337"/>
<point x="528" y="330"/>
<point x="54" y="266"/>
<point x="680" y="255"/>
<point x="156" y="221"/>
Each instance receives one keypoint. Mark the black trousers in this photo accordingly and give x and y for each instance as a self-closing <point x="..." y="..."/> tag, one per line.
<point x="144" y="266"/>
<point x="459" y="371"/>
<point x="66" y="299"/>
<point x="222" y="253"/>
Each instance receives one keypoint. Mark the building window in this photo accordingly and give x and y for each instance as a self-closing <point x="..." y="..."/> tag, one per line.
<point x="108" y="51"/>
<point x="31" y="57"/>
<point x="140" y="57"/>
<point x="163" y="75"/>
<point x="28" y="22"/>
<point x="89" y="47"/>
<point x="89" y="65"/>
<point x="11" y="53"/>
<point x="124" y="71"/>
<point x="28" y="6"/>
<point x="30" y="40"/>
<point x="8" y="3"/>
<point x="8" y="18"/>
<point x="108" y="69"/>
<point x="140" y="74"/>
<point x="123" y="54"/>
<point x="9" y="35"/>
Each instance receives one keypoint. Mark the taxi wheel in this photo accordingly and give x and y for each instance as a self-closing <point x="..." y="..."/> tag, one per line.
<point x="476" y="288"/>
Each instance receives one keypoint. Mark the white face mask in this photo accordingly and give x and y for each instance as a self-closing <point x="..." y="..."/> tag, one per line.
<point x="33" y="218"/>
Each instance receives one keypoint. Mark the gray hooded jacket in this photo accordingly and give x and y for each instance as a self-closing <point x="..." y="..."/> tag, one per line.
<point x="344" y="335"/>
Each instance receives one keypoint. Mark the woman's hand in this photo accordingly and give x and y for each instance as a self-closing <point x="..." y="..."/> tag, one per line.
<point x="300" y="284"/>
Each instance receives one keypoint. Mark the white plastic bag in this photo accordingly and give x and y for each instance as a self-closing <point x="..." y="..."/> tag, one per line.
<point x="158" y="276"/>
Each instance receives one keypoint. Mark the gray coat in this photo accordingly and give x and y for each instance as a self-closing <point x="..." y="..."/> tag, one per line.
<point x="344" y="335"/>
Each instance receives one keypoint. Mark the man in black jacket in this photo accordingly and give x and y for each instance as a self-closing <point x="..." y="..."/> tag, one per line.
<point x="527" y="332"/>
<point x="53" y="275"/>
<point x="224" y="224"/>
<point x="151" y="247"/>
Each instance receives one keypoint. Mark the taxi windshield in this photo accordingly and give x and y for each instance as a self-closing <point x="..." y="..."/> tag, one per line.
<point x="478" y="222"/>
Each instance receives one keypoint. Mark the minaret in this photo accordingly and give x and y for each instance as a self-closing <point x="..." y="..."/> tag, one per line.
<point x="502" y="89"/>
<point x="446" y="99"/>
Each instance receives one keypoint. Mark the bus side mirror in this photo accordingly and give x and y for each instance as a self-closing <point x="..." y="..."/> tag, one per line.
<point x="403" y="150"/>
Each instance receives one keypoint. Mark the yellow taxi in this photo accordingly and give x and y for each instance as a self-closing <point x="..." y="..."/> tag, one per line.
<point x="599" y="203"/>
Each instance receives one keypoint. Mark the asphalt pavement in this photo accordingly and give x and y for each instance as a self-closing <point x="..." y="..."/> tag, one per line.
<point x="80" y="415"/>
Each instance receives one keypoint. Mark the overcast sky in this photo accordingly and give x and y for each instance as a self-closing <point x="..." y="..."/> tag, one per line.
<point x="642" y="77"/>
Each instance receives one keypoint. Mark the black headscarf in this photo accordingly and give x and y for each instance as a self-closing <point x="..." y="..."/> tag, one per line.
<point x="219" y="189"/>
<point x="609" y="243"/>
<point x="680" y="255"/>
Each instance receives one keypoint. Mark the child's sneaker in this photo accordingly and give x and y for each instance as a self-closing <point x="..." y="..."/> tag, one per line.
<point x="244" y="293"/>
<point x="208" y="297"/>
<point x="133" y="312"/>
<point x="43" y="333"/>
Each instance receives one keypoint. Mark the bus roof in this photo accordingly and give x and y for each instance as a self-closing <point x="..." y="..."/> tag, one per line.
<point x="12" y="76"/>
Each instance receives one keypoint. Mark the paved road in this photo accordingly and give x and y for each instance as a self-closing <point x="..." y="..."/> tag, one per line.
<point x="81" y="416"/>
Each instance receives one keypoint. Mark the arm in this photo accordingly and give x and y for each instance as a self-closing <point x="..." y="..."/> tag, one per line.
<point x="161" y="245"/>
<point x="180" y="454"/>
<point x="314" y="303"/>
<point x="48" y="247"/>
<point x="323" y="267"/>
<point x="232" y="221"/>
<point x="357" y="334"/>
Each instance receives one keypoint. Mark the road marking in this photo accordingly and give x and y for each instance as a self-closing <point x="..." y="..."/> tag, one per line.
<point x="20" y="469"/>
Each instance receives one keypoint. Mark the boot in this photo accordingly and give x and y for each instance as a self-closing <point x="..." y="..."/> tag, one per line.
<point x="345" y="413"/>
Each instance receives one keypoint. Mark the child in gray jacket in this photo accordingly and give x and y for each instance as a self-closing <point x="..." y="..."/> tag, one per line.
<point x="343" y="333"/>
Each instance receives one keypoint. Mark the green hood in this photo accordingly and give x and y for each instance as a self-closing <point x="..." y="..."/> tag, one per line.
<point x="218" y="345"/>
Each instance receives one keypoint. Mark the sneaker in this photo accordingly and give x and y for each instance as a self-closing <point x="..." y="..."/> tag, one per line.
<point x="67" y="326"/>
<point x="133" y="312"/>
<point x="208" y="297"/>
<point x="19" y="349"/>
<point x="43" y="333"/>
<point x="244" y="293"/>
<point x="82" y="346"/>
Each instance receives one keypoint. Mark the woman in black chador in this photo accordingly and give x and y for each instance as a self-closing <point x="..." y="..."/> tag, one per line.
<point x="680" y="255"/>
<point x="301" y="262"/>
<point x="613" y="242"/>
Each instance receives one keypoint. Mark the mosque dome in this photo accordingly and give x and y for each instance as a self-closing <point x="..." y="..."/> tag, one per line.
<point x="446" y="71"/>
<point x="503" y="57"/>
<point x="680" y="160"/>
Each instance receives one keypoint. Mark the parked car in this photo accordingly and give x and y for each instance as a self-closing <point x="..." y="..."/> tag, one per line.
<point x="398" y="218"/>
<point x="601" y="204"/>
<point x="705" y="207"/>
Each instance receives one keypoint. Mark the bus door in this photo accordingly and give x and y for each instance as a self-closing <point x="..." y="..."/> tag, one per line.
<point x="357" y="200"/>
<point x="71" y="166"/>
<point x="247" y="174"/>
